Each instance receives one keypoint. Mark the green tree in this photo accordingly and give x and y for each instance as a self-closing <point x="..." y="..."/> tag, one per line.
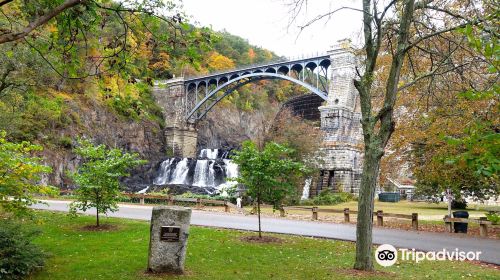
<point x="267" y="174"/>
<point x="99" y="176"/>
<point x="20" y="173"/>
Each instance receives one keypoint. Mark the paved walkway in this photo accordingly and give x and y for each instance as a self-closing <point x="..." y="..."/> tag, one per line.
<point x="424" y="241"/>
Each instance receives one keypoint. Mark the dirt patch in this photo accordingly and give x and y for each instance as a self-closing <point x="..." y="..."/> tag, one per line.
<point x="362" y="273"/>
<point x="485" y="265"/>
<point x="167" y="275"/>
<point x="105" y="227"/>
<point x="263" y="239"/>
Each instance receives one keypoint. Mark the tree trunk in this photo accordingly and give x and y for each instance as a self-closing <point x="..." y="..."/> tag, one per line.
<point x="98" y="202"/>
<point x="364" y="258"/>
<point x="97" y="217"/>
<point x="258" y="214"/>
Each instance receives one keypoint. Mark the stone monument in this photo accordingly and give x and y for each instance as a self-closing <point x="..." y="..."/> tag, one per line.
<point x="168" y="239"/>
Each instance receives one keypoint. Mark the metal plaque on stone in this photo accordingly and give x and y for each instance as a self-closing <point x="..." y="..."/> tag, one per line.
<point x="170" y="233"/>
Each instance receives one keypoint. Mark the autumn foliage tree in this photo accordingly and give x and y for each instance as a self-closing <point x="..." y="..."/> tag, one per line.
<point x="413" y="38"/>
<point x="450" y="136"/>
<point x="216" y="62"/>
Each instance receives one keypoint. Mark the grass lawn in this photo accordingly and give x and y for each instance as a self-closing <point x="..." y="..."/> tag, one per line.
<point x="216" y="254"/>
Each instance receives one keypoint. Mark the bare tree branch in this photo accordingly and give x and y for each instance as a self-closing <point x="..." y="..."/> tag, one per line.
<point x="329" y="14"/>
<point x="4" y="2"/>
<point x="9" y="37"/>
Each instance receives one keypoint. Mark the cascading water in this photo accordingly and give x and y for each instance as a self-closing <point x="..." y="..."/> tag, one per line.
<point x="181" y="170"/>
<point x="203" y="173"/>
<point x="207" y="173"/>
<point x="307" y="186"/>
<point x="163" y="177"/>
<point x="231" y="168"/>
<point x="209" y="153"/>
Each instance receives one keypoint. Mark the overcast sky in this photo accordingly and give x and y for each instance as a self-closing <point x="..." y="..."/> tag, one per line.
<point x="265" y="23"/>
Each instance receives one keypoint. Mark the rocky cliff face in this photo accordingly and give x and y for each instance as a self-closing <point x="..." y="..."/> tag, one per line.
<point x="227" y="127"/>
<point x="97" y="122"/>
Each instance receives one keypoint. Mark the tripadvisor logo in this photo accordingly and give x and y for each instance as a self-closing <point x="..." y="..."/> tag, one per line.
<point x="387" y="255"/>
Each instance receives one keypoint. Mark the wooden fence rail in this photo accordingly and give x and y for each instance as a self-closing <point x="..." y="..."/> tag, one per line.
<point x="347" y="213"/>
<point x="200" y="202"/>
<point x="483" y="224"/>
<point x="170" y="200"/>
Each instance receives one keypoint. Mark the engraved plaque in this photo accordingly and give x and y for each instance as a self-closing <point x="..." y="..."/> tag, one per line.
<point x="170" y="233"/>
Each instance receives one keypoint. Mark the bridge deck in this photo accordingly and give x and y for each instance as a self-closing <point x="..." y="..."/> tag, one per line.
<point x="254" y="67"/>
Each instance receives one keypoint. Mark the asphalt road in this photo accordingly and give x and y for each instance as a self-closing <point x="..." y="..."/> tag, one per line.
<point x="425" y="241"/>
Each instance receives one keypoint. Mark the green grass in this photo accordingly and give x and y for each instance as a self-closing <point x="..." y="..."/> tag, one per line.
<point x="215" y="254"/>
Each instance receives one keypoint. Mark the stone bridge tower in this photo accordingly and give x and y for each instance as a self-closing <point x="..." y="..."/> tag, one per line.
<point x="342" y="150"/>
<point x="181" y="137"/>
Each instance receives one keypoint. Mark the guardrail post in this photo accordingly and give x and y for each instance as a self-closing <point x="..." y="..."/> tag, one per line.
<point x="198" y="203"/>
<point x="483" y="227"/>
<point x="315" y="213"/>
<point x="380" y="218"/>
<point x="414" y="221"/>
<point x="226" y="207"/>
<point x="141" y="200"/>
<point x="346" y="215"/>
<point x="282" y="211"/>
<point x="170" y="200"/>
<point x="448" y="225"/>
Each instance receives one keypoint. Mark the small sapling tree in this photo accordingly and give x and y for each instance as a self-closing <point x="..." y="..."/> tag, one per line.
<point x="268" y="174"/>
<point x="20" y="172"/>
<point x="99" y="176"/>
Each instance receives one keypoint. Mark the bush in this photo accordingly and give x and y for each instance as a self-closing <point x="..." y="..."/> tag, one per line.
<point x="493" y="218"/>
<point x="18" y="256"/>
<point x="202" y="196"/>
<point x="327" y="197"/>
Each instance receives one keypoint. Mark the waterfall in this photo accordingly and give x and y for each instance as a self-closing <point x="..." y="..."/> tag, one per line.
<point x="204" y="173"/>
<point x="231" y="168"/>
<point x="305" y="191"/>
<point x="143" y="190"/>
<point x="166" y="168"/>
<point x="180" y="172"/>
<point x="208" y="173"/>
<point x="209" y="153"/>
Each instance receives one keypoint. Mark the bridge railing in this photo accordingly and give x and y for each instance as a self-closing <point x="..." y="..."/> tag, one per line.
<point x="256" y="65"/>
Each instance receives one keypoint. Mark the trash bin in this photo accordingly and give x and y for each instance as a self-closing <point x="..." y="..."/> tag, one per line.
<point x="460" y="227"/>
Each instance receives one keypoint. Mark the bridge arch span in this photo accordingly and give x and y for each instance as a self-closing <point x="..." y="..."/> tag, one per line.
<point x="202" y="107"/>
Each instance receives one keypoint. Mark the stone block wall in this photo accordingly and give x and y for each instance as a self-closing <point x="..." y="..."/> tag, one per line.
<point x="180" y="137"/>
<point x="342" y="151"/>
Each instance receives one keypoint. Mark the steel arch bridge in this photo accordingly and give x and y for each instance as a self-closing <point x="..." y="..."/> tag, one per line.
<point x="203" y="93"/>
